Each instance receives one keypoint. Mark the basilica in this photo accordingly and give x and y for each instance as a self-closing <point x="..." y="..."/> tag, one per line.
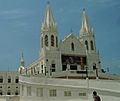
<point x="78" y="55"/>
<point x="69" y="70"/>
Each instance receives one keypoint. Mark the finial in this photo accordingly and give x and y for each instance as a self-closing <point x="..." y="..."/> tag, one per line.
<point x="83" y="9"/>
<point x="48" y="2"/>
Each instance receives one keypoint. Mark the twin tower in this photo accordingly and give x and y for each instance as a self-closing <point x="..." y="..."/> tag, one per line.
<point x="49" y="32"/>
<point x="72" y="53"/>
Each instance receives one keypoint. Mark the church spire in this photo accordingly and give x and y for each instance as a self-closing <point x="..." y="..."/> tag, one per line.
<point x="85" y="28"/>
<point x="86" y="34"/>
<point x="22" y="63"/>
<point x="49" y="33"/>
<point x="49" y="21"/>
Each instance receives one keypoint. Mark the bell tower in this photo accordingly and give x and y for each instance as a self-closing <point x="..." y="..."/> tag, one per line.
<point x="87" y="38"/>
<point x="49" y="33"/>
<point x="49" y="54"/>
<point x="22" y="65"/>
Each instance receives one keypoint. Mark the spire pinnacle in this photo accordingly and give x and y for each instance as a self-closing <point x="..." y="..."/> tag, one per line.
<point x="22" y="63"/>
<point x="85" y="23"/>
<point x="48" y="19"/>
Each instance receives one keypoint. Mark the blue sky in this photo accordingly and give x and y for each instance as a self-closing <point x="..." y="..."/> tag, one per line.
<point x="20" y="22"/>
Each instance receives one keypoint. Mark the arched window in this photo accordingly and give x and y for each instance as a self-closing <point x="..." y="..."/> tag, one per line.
<point x="94" y="66"/>
<point x="56" y="41"/>
<point x="1" y="92"/>
<point x="1" y="79"/>
<point x="86" y="44"/>
<point x="72" y="46"/>
<point x="46" y="40"/>
<point x="9" y="79"/>
<point x="16" y="93"/>
<point x="16" y="79"/>
<point x="42" y="42"/>
<point x="52" y="40"/>
<point x="9" y="92"/>
<point x="53" y="66"/>
<point x="42" y="68"/>
<point x="92" y="46"/>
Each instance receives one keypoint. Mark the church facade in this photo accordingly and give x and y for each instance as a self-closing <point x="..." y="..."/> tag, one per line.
<point x="78" y="55"/>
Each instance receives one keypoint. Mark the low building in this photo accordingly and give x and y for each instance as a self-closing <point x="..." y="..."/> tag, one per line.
<point x="9" y="83"/>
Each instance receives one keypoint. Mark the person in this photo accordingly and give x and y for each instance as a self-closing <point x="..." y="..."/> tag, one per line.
<point x="96" y="97"/>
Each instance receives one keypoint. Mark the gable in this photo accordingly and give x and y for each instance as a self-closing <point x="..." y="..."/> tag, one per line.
<point x="70" y="42"/>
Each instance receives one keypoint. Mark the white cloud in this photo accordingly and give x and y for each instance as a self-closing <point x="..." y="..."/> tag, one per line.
<point x="14" y="13"/>
<point x="11" y="12"/>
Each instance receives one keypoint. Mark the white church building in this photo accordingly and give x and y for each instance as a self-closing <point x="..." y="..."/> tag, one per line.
<point x="74" y="54"/>
<point x="69" y="70"/>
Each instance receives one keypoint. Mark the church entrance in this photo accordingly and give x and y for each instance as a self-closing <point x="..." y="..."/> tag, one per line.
<point x="74" y="61"/>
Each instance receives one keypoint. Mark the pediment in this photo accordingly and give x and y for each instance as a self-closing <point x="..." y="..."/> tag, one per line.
<point x="65" y="44"/>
